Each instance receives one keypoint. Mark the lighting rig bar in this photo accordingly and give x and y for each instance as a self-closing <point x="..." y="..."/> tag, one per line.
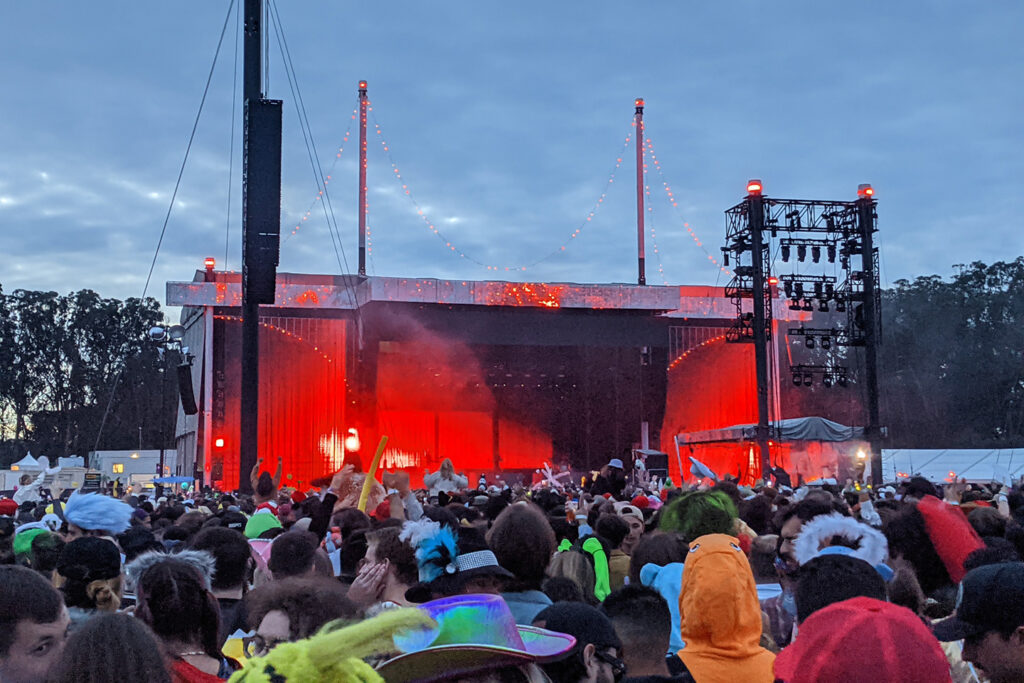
<point x="820" y="336"/>
<point x="803" y="375"/>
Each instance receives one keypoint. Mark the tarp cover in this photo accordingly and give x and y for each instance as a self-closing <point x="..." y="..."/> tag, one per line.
<point x="794" y="429"/>
<point x="28" y="463"/>
<point x="942" y="465"/>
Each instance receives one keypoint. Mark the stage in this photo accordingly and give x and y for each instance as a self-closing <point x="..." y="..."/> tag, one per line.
<point x="497" y="376"/>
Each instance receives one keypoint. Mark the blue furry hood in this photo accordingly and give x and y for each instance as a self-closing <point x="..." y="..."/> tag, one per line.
<point x="96" y="512"/>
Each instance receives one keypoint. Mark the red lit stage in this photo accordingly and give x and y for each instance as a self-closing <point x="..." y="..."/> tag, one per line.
<point x="496" y="376"/>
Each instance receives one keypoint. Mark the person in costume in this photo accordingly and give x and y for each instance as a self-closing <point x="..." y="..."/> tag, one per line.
<point x="720" y="619"/>
<point x="445" y="480"/>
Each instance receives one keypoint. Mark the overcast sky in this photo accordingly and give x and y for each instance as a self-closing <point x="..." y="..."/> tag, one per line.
<point x="505" y="121"/>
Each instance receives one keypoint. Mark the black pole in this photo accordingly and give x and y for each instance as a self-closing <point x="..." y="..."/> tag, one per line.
<point x="249" y="417"/>
<point x="363" y="104"/>
<point x="762" y="304"/>
<point x="641" y="278"/>
<point x="866" y="228"/>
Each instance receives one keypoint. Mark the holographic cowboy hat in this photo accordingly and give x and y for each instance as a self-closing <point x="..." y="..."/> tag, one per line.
<point x="474" y="633"/>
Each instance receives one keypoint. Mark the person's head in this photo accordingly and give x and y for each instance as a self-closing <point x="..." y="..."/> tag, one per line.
<point x="293" y="609"/>
<point x="698" y="513"/>
<point x="863" y="638"/>
<point x="658" y="548"/>
<point x="447" y="468"/>
<point x="990" y="620"/>
<point x="136" y="541"/>
<point x="792" y="519"/>
<point x="762" y="558"/>
<point x="89" y="574"/>
<point x="350" y="520"/>
<point x="265" y="485"/>
<point x="231" y="551"/>
<point x="523" y="541"/>
<point x="987" y="521"/>
<point x="111" y="647"/>
<point x="596" y="656"/>
<point x="33" y="625"/>
<point x="576" y="567"/>
<point x="385" y="545"/>
<point x="292" y="555"/>
<point x="25" y="480"/>
<point x="643" y="623"/>
<point x="613" y="529"/>
<point x="93" y="514"/>
<point x="46" y="550"/>
<point x="173" y="599"/>
<point x="919" y="487"/>
<point x="634" y="519"/>
<point x="564" y="589"/>
<point x="828" y="579"/>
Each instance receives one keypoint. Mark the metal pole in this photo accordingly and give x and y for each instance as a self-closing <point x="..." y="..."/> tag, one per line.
<point x="755" y="214"/>
<point x="641" y="277"/>
<point x="866" y="227"/>
<point x="249" y="414"/>
<point x="363" y="102"/>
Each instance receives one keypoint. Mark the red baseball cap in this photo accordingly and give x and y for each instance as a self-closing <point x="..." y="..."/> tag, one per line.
<point x="8" y="507"/>
<point x="882" y="642"/>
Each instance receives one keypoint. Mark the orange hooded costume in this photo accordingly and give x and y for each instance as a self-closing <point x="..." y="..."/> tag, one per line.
<point x="720" y="618"/>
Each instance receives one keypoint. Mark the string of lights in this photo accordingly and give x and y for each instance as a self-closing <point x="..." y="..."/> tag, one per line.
<point x="320" y="194"/>
<point x="675" y="204"/>
<point x="686" y="353"/>
<point x="454" y="249"/>
<point x="280" y="330"/>
<point x="650" y="218"/>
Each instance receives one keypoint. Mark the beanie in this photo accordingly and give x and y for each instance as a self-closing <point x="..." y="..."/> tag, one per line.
<point x="89" y="559"/>
<point x="261" y="522"/>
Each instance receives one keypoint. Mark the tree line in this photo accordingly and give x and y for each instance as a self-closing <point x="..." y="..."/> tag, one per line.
<point x="60" y="358"/>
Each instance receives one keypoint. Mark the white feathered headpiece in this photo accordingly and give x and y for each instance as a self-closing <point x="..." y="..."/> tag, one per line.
<point x="867" y="544"/>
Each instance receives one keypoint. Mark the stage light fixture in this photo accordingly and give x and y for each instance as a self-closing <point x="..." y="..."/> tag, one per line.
<point x="831" y="250"/>
<point x="830" y="290"/>
<point x="842" y="380"/>
<point x="808" y="379"/>
<point x="799" y="290"/>
<point x="808" y="306"/>
<point x="826" y="342"/>
<point x="822" y="306"/>
<point x="794" y="305"/>
<point x="725" y="257"/>
<point x="827" y="380"/>
<point x="797" y="379"/>
<point x="816" y="254"/>
<point x="809" y="341"/>
<point x="788" y="286"/>
<point x="772" y="280"/>
<point x="801" y="252"/>
<point x="819" y="289"/>
<point x="840" y="306"/>
<point x="785" y="253"/>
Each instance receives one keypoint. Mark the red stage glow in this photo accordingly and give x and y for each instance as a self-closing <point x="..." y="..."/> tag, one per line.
<point x="527" y="294"/>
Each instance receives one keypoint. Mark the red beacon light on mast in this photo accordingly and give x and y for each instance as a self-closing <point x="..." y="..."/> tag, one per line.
<point x="639" y="102"/>
<point x="754" y="188"/>
<point x="210" y="262"/>
<point x="773" y="280"/>
<point x="865" y="190"/>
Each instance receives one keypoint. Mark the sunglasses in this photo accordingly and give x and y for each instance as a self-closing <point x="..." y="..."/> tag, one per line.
<point x="618" y="666"/>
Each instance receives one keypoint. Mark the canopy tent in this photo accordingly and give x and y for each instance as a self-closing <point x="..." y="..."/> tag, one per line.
<point x="946" y="464"/>
<point x="26" y="463"/>
<point x="173" y="480"/>
<point x="793" y="429"/>
<point x="812" y="447"/>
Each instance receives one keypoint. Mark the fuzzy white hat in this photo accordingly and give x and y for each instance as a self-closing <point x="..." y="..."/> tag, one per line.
<point x="866" y="543"/>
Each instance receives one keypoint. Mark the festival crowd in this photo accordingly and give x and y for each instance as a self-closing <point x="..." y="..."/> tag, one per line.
<point x="620" y="577"/>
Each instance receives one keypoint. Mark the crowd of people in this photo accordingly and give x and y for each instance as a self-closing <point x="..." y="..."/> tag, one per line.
<point x="624" y="579"/>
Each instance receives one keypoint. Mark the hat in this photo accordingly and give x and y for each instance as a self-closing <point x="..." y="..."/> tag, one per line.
<point x="641" y="502"/>
<point x="188" y="501"/>
<point x="629" y="510"/>
<point x="96" y="512"/>
<point x="445" y="562"/>
<point x="24" y="535"/>
<point x="8" y="507"/>
<point x="261" y="522"/>
<point x="298" y="496"/>
<point x="882" y="642"/>
<point x="615" y="462"/>
<point x="588" y="625"/>
<point x="990" y="598"/>
<point x="953" y="538"/>
<point x="89" y="559"/>
<point x="475" y="633"/>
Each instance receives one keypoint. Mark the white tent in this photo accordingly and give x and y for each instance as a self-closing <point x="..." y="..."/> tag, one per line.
<point x="26" y="463"/>
<point x="793" y="429"/>
<point x="945" y="464"/>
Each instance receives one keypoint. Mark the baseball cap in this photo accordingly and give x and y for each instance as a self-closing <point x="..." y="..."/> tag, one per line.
<point x="882" y="642"/>
<point x="990" y="598"/>
<point x="585" y="623"/>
